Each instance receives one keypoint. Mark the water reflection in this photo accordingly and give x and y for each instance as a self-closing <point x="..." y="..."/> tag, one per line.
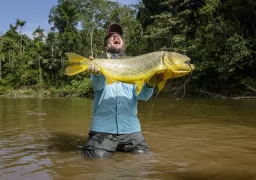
<point x="189" y="139"/>
<point x="66" y="142"/>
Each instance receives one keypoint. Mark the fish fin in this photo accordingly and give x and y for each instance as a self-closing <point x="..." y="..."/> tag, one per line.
<point x="167" y="75"/>
<point x="75" y="58"/>
<point x="77" y="64"/>
<point x="109" y="80"/>
<point x="74" y="69"/>
<point x="139" y="86"/>
<point x="161" y="85"/>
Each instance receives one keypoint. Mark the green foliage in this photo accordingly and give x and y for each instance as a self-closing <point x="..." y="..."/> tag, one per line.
<point x="4" y="87"/>
<point x="84" y="88"/>
<point x="219" y="36"/>
<point x="4" y="90"/>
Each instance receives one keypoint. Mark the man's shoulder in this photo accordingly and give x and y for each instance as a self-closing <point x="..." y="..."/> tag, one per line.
<point x="110" y="55"/>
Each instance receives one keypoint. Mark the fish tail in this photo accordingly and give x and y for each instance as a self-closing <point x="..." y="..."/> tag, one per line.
<point x="77" y="64"/>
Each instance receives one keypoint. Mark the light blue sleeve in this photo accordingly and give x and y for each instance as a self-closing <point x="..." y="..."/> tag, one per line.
<point x="98" y="81"/>
<point x="145" y="93"/>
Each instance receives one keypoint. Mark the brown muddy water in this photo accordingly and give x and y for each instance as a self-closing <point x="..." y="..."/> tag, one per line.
<point x="199" y="139"/>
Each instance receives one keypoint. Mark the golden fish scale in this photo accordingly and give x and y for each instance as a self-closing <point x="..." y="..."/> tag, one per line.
<point x="132" y="68"/>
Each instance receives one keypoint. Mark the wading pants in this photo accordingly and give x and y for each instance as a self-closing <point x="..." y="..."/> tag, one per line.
<point x="104" y="144"/>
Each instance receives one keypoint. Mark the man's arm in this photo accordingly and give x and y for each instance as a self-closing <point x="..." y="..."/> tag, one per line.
<point x="148" y="88"/>
<point x="98" y="81"/>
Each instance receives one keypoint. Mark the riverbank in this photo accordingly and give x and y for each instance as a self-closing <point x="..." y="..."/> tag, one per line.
<point x="170" y="91"/>
<point x="76" y="88"/>
<point x="47" y="92"/>
<point x="178" y="90"/>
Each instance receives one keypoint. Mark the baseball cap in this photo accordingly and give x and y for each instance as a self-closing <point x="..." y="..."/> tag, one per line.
<point x="115" y="28"/>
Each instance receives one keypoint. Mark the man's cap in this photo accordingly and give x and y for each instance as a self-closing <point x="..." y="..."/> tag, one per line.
<point x="115" y="28"/>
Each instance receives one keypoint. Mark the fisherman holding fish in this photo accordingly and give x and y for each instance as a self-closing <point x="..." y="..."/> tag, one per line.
<point x="119" y="82"/>
<point x="115" y="125"/>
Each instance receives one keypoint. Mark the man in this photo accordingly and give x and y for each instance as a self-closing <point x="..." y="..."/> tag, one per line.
<point x="115" y="125"/>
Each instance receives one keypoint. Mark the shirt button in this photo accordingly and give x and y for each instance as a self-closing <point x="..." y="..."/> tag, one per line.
<point x="117" y="113"/>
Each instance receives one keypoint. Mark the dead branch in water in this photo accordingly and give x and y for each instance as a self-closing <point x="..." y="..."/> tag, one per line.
<point x="224" y="97"/>
<point x="211" y="94"/>
<point x="251" y="88"/>
<point x="244" y="97"/>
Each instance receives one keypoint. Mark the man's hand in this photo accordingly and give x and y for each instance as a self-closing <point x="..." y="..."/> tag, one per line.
<point x="92" y="68"/>
<point x="155" y="80"/>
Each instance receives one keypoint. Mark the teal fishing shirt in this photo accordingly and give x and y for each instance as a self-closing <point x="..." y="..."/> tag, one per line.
<point x="115" y="105"/>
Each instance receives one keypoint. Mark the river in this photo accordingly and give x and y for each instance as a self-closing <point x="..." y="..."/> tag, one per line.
<point x="199" y="139"/>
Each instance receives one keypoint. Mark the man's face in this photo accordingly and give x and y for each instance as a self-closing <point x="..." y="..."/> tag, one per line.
<point x="115" y="43"/>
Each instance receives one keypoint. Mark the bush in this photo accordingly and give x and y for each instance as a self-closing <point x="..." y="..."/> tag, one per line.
<point x="4" y="90"/>
<point x="83" y="88"/>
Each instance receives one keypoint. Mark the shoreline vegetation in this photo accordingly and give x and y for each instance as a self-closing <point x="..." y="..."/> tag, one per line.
<point x="170" y="91"/>
<point x="219" y="37"/>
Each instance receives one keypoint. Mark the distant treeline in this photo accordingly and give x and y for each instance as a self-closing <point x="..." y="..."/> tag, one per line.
<point x="218" y="35"/>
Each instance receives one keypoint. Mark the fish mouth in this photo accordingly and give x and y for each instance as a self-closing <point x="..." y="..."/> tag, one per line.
<point x="187" y="61"/>
<point x="178" y="64"/>
<point x="192" y="67"/>
<point x="182" y="67"/>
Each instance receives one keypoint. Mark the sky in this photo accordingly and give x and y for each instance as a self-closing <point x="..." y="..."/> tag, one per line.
<point x="34" y="12"/>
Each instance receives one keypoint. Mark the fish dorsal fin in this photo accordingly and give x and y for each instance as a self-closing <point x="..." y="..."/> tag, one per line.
<point x="139" y="86"/>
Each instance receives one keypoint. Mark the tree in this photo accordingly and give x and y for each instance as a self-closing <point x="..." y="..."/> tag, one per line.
<point x="133" y="33"/>
<point x="38" y="42"/>
<point x="20" y="24"/>
<point x="64" y="17"/>
<point x="94" y="17"/>
<point x="1" y="55"/>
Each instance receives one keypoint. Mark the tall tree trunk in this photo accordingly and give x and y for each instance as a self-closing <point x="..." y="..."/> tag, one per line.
<point x="21" y="48"/>
<point x="13" y="60"/>
<point x="61" y="61"/>
<point x="9" y="55"/>
<point x="92" y="37"/>
<point x="39" y="67"/>
<point x="1" y="58"/>
<point x="0" y="68"/>
<point x="92" y="42"/>
<point x="52" y="49"/>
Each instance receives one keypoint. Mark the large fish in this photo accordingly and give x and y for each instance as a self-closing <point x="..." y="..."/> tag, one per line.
<point x="135" y="70"/>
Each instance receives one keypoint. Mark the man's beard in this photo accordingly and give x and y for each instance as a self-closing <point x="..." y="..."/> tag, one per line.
<point x="112" y="49"/>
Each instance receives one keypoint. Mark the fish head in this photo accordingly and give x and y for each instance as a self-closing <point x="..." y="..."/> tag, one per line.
<point x="178" y="64"/>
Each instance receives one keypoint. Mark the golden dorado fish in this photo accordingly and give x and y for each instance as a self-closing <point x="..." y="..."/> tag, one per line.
<point x="135" y="70"/>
